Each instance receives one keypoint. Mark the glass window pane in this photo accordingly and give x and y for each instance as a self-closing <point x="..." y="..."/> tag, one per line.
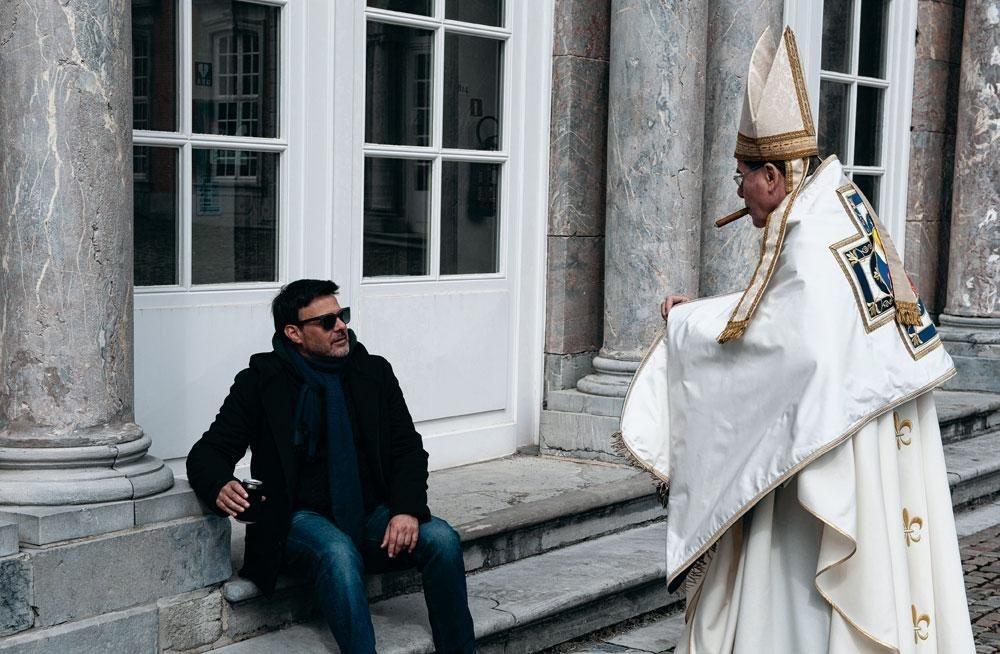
<point x="836" y="51"/>
<point x="484" y="12"/>
<point x="234" y="216"/>
<point x="832" y="132"/>
<point x="422" y="7"/>
<point x="869" y="185"/>
<point x="154" y="65"/>
<point x="871" y="54"/>
<point x="235" y="64"/>
<point x="868" y="129"/>
<point x="398" y="85"/>
<point x="154" y="215"/>
<point x="472" y="92"/>
<point x="470" y="225"/>
<point x="397" y="212"/>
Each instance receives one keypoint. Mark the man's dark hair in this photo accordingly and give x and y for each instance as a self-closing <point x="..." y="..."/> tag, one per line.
<point x="296" y="295"/>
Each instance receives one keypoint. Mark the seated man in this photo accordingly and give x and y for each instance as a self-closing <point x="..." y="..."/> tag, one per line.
<point x="343" y="472"/>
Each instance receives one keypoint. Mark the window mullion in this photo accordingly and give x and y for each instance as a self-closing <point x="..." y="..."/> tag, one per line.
<point x="437" y="112"/>
<point x="855" y="36"/>
<point x="434" y="237"/>
<point x="852" y="113"/>
<point x="185" y="52"/>
<point x="185" y="207"/>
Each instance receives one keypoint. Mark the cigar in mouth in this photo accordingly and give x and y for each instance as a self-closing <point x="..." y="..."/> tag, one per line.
<point x="734" y="216"/>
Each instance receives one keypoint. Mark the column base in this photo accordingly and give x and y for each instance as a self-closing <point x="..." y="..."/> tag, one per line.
<point x="32" y="476"/>
<point x="974" y="344"/>
<point x="580" y="422"/>
<point x="611" y="378"/>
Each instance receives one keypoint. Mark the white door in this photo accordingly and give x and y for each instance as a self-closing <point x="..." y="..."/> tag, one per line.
<point x="253" y="169"/>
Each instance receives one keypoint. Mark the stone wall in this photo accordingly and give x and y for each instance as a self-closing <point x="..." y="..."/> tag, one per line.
<point x="577" y="173"/>
<point x="932" y="146"/>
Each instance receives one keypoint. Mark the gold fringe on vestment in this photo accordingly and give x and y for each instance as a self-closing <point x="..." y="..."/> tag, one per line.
<point x="623" y="450"/>
<point x="733" y="331"/>
<point x="908" y="313"/>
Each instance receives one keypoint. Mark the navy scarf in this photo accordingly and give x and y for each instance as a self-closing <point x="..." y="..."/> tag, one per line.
<point x="321" y="412"/>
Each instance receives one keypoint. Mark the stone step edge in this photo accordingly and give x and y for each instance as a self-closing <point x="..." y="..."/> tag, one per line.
<point x="645" y="575"/>
<point x="522" y="517"/>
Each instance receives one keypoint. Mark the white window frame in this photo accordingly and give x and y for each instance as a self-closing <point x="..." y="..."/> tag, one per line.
<point x="435" y="152"/>
<point x="185" y="140"/>
<point x="806" y="18"/>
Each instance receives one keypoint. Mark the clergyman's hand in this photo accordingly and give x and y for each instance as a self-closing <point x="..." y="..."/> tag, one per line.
<point x="401" y="534"/>
<point x="232" y="499"/>
<point x="671" y="302"/>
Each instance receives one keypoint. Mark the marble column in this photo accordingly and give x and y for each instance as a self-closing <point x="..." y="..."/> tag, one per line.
<point x="67" y="434"/>
<point x="655" y="141"/>
<point x="970" y="325"/>
<point x="729" y="254"/>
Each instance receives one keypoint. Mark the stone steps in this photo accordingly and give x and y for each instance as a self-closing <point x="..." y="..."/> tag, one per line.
<point x="523" y="606"/>
<point x="504" y="511"/>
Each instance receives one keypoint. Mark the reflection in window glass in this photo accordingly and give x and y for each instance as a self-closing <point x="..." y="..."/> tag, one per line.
<point x="484" y="12"/>
<point x="398" y="91"/>
<point x="472" y="92"/>
<point x="868" y="127"/>
<point x="470" y="225"/>
<point x="154" y="216"/>
<point x="833" y="116"/>
<point x="235" y="68"/>
<point x="154" y="65"/>
<point x="836" y="51"/>
<point x="421" y="7"/>
<point x="234" y="216"/>
<point x="397" y="212"/>
<point x="869" y="185"/>
<point x="871" y="53"/>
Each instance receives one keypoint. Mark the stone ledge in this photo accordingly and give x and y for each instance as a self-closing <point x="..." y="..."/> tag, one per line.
<point x="94" y="575"/>
<point x="964" y="413"/>
<point x="8" y="538"/>
<point x="133" y="630"/>
<point x="45" y="525"/>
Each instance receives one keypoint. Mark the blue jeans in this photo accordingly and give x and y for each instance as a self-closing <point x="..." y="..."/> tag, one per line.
<point x="316" y="549"/>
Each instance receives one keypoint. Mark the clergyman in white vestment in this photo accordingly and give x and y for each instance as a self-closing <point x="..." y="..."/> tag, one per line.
<point x="809" y="508"/>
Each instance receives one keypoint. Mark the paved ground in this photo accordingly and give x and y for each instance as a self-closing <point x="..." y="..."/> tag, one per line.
<point x="980" y="560"/>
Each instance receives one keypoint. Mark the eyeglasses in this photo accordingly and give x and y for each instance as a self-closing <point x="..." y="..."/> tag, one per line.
<point x="738" y="177"/>
<point x="328" y="320"/>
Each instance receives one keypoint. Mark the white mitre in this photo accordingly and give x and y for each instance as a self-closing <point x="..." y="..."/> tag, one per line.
<point x="776" y="124"/>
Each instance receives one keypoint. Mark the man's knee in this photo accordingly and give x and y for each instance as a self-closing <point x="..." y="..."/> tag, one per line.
<point x="440" y="539"/>
<point x="338" y="559"/>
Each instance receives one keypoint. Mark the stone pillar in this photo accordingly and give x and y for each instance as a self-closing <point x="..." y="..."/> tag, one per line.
<point x="67" y="434"/>
<point x="655" y="141"/>
<point x="932" y="147"/>
<point x="577" y="164"/>
<point x="728" y="255"/>
<point x="971" y="322"/>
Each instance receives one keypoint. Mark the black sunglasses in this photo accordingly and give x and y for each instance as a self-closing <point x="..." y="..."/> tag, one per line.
<point x="329" y="320"/>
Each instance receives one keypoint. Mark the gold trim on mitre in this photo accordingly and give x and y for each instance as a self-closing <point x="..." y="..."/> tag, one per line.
<point x="776" y="123"/>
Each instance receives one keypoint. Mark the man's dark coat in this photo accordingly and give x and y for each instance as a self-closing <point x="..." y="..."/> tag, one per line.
<point x="258" y="414"/>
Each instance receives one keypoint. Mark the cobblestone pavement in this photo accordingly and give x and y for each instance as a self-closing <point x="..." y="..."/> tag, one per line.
<point x="981" y="563"/>
<point x="655" y="634"/>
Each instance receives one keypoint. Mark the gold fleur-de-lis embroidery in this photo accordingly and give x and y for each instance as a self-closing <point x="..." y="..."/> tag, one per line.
<point x="912" y="528"/>
<point x="921" y="625"/>
<point x="903" y="428"/>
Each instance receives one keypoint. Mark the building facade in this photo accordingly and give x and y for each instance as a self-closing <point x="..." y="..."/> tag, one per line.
<point x="504" y="191"/>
